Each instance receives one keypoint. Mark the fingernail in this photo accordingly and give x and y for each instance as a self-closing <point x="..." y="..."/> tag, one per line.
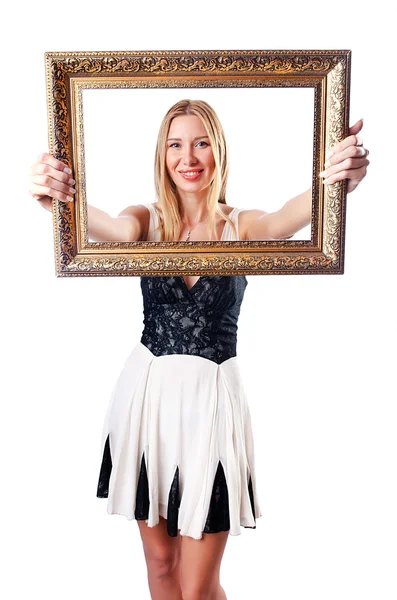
<point x="327" y="164"/>
<point x="72" y="190"/>
<point x="323" y="173"/>
<point x="67" y="170"/>
<point x="69" y="199"/>
<point x="325" y="181"/>
<point x="359" y="140"/>
<point x="329" y="154"/>
<point x="71" y="182"/>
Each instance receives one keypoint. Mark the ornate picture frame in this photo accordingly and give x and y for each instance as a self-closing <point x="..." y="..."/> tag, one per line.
<point x="326" y="71"/>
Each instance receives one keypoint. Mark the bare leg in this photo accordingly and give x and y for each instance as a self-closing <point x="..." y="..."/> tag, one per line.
<point x="200" y="566"/>
<point x="221" y="594"/>
<point x="162" y="554"/>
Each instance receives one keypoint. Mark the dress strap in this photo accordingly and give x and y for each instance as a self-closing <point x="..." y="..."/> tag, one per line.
<point x="153" y="235"/>
<point x="228" y="232"/>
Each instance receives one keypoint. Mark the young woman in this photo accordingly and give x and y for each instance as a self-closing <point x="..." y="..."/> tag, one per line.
<point x="177" y="450"/>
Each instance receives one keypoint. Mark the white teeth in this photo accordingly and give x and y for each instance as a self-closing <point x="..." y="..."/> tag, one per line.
<point x="190" y="172"/>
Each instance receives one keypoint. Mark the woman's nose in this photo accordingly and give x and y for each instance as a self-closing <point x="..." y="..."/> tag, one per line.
<point x="188" y="156"/>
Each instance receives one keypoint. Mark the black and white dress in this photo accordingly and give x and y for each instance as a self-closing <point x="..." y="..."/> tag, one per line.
<point x="177" y="438"/>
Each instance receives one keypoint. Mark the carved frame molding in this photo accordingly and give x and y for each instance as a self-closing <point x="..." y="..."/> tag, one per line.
<point x="328" y="72"/>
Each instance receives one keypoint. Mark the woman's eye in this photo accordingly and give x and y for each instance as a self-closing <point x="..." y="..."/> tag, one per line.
<point x="201" y="144"/>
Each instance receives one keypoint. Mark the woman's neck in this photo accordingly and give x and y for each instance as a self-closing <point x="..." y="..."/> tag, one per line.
<point x="193" y="207"/>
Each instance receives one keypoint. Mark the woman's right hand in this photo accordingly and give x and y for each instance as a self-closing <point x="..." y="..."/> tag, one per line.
<point x="51" y="178"/>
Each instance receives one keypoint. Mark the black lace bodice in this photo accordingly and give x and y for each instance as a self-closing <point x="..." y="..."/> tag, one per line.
<point x="201" y="321"/>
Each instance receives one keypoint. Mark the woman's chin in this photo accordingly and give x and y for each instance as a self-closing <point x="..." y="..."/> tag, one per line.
<point x="192" y="187"/>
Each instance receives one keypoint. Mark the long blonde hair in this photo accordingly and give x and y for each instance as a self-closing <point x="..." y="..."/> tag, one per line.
<point x="169" y="215"/>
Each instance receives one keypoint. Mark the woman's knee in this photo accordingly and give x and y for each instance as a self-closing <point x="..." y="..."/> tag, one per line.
<point x="162" y="553"/>
<point x="200" y="591"/>
<point x="161" y="563"/>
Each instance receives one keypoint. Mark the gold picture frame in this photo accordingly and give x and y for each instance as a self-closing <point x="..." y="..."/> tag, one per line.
<point x="326" y="71"/>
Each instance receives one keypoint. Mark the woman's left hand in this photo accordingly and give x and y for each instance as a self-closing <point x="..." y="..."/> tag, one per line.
<point x="348" y="160"/>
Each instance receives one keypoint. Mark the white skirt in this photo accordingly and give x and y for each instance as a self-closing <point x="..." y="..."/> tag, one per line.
<point x="179" y="414"/>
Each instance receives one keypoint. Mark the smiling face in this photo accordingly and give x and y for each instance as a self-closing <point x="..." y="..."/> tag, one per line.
<point x="189" y="158"/>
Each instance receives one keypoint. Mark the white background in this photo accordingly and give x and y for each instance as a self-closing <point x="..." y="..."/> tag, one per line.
<point x="256" y="122"/>
<point x="317" y="353"/>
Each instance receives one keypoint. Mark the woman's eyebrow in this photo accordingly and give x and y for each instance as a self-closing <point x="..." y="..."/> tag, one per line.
<point x="200" y="137"/>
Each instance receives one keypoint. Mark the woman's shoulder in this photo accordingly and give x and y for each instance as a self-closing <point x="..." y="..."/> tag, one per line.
<point x="244" y="212"/>
<point x="135" y="210"/>
<point x="246" y="218"/>
<point x="140" y="212"/>
<point x="154" y="207"/>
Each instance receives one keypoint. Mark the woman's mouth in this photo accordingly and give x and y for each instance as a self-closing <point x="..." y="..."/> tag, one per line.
<point x="191" y="175"/>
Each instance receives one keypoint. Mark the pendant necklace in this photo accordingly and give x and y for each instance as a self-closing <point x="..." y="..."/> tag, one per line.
<point x="190" y="230"/>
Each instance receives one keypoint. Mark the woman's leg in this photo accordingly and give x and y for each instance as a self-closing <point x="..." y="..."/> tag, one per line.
<point x="162" y="554"/>
<point x="200" y="566"/>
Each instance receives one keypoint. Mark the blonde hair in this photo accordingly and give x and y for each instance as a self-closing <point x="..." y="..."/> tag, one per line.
<point x="169" y="216"/>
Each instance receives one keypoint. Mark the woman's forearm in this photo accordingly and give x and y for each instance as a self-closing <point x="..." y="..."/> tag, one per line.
<point x="104" y="228"/>
<point x="292" y="216"/>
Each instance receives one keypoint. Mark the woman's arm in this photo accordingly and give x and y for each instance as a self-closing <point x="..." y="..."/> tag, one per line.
<point x="126" y="227"/>
<point x="50" y="178"/>
<point x="346" y="160"/>
<point x="281" y="224"/>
